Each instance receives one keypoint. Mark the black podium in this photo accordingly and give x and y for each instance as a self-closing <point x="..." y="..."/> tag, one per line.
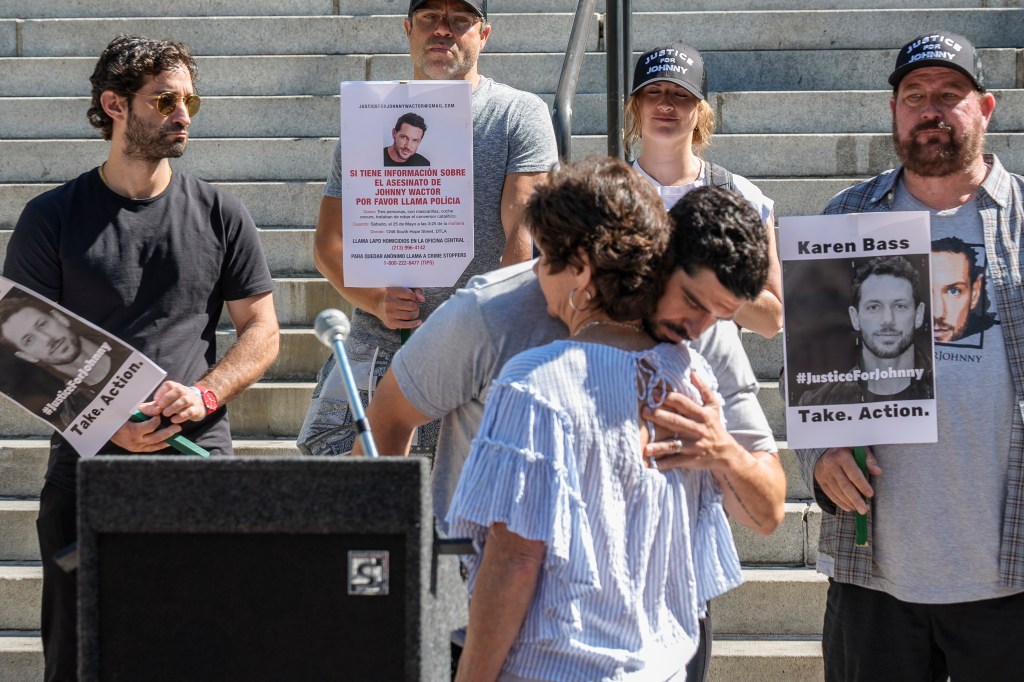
<point x="255" y="568"/>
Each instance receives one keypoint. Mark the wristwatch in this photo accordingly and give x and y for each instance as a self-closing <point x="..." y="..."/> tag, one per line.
<point x="209" y="399"/>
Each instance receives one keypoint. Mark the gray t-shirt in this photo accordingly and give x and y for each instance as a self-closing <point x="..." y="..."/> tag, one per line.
<point x="504" y="313"/>
<point x="939" y="506"/>
<point x="512" y="133"/>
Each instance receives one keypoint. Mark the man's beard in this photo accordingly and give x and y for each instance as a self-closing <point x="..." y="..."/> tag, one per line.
<point x="934" y="159"/>
<point x="454" y="70"/>
<point x="887" y="352"/>
<point x="149" y="142"/>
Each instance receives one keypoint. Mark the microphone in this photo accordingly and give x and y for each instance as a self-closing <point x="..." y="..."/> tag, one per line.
<point x="331" y="328"/>
<point x="332" y="324"/>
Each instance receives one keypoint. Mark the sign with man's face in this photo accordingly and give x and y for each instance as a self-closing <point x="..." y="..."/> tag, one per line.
<point x="858" y="339"/>
<point x="407" y="182"/>
<point x="61" y="369"/>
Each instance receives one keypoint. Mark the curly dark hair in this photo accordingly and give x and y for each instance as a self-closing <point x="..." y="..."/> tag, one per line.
<point x="123" y="67"/>
<point x="718" y="229"/>
<point x="603" y="209"/>
<point x="894" y="266"/>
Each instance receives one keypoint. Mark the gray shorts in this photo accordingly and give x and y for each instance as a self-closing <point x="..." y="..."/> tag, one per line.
<point x="328" y="428"/>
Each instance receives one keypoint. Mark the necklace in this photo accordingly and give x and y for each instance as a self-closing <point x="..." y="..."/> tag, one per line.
<point x="608" y="323"/>
<point x="104" y="179"/>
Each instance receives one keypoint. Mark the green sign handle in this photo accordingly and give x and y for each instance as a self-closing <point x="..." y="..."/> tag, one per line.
<point x="177" y="441"/>
<point x="861" y="528"/>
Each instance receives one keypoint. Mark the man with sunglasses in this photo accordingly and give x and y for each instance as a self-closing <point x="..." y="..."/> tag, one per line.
<point x="513" y="147"/>
<point x="152" y="256"/>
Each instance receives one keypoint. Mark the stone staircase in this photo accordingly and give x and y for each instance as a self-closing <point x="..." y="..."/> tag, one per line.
<point x="801" y="109"/>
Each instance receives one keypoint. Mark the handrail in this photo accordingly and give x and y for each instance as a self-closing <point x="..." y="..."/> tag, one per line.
<point x="561" y="114"/>
<point x="619" y="53"/>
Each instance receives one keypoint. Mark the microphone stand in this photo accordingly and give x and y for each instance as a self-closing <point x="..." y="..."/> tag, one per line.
<point x="355" y="404"/>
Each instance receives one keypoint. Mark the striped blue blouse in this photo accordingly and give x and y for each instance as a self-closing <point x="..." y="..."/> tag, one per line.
<point x="632" y="553"/>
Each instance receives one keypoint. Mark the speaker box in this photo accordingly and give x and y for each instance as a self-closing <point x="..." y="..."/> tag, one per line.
<point x="262" y="569"/>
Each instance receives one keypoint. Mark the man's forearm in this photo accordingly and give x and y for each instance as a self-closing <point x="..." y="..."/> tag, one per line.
<point x="246" y="360"/>
<point x="754" y="489"/>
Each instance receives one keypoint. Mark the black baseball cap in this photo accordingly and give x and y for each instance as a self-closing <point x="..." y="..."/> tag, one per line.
<point x="675" y="63"/>
<point x="939" y="49"/>
<point x="479" y="5"/>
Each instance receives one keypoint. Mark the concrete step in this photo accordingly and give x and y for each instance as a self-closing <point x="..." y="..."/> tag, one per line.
<point x="776" y="601"/>
<point x="765" y="355"/>
<point x="732" y="660"/>
<point x="760" y="660"/>
<point x="319" y="74"/>
<point x="823" y="29"/>
<point x="857" y="155"/>
<point x="400" y="6"/>
<point x="771" y="112"/>
<point x="273" y="205"/>
<point x="20" y="595"/>
<point x="771" y="601"/>
<point x="21" y="657"/>
<point x="23" y="461"/>
<point x="787" y="546"/>
<point x="18" y="530"/>
<point x="38" y="9"/>
<point x="258" y="35"/>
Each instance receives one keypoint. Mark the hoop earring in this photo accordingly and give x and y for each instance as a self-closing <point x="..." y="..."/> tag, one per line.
<point x="572" y="303"/>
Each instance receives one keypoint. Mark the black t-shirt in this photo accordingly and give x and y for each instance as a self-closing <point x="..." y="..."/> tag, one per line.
<point x="153" y="272"/>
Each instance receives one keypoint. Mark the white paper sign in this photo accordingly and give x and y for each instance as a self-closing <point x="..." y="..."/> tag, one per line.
<point x="858" y="339"/>
<point x="80" y="380"/>
<point x="407" y="182"/>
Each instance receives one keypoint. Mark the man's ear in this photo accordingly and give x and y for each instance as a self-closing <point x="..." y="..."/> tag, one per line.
<point x="408" y="27"/>
<point x="485" y="33"/>
<point x="26" y="357"/>
<point x="115" y="105"/>
<point x="919" y="317"/>
<point x="854" y="318"/>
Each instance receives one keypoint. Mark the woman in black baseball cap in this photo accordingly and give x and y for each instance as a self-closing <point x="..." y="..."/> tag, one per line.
<point x="670" y="121"/>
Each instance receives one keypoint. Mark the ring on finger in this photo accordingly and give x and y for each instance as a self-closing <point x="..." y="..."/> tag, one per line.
<point x="677" y="445"/>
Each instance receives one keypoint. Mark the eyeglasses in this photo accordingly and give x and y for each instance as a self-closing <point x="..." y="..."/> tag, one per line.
<point x="459" y="22"/>
<point x="167" y="102"/>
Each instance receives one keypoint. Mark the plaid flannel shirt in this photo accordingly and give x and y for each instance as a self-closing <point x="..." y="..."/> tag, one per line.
<point x="1001" y="202"/>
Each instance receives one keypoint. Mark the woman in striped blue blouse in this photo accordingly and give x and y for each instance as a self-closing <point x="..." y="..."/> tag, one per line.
<point x="586" y="566"/>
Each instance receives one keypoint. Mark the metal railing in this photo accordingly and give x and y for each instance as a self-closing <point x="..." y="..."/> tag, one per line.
<point x="561" y="114"/>
<point x="618" y="50"/>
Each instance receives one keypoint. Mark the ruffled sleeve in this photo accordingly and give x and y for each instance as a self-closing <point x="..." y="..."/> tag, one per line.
<point x="715" y="559"/>
<point x="522" y="472"/>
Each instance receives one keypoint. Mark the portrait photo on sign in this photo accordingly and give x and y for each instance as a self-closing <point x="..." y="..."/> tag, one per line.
<point x="858" y="330"/>
<point x="405" y="140"/>
<point x="961" y="309"/>
<point x="79" y="380"/>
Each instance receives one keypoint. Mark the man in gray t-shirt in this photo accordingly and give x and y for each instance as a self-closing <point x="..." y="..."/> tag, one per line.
<point x="513" y="147"/>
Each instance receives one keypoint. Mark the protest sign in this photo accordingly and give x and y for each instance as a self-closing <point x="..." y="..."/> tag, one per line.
<point x="858" y="341"/>
<point x="81" y="381"/>
<point x="407" y="182"/>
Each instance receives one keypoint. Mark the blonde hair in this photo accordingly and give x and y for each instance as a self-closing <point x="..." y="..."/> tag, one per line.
<point x="701" y="132"/>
